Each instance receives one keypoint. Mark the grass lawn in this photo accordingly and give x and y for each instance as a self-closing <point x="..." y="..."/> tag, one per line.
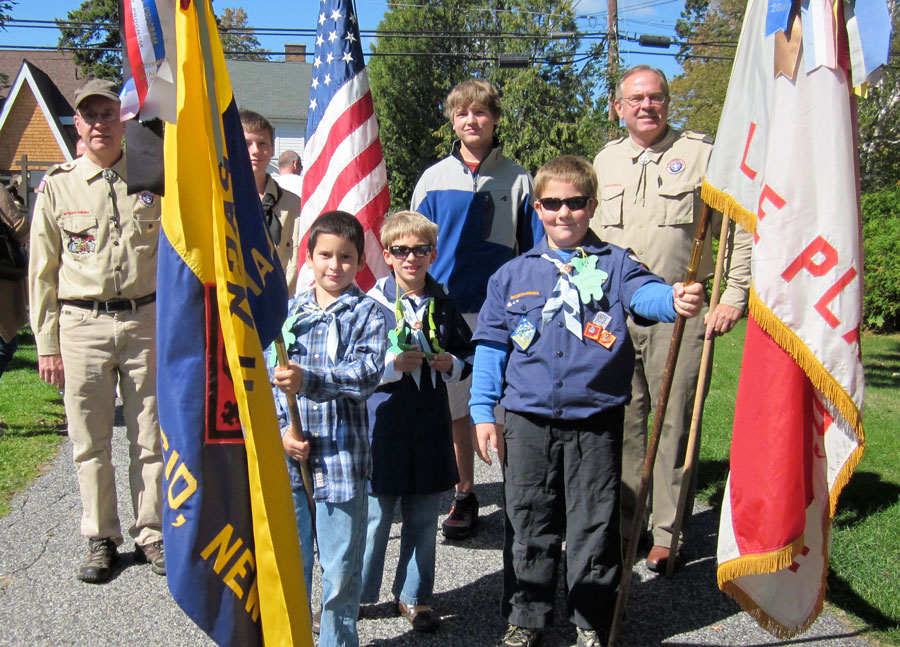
<point x="32" y="413"/>
<point x="863" y="579"/>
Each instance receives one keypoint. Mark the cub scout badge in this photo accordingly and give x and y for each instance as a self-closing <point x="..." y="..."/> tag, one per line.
<point x="596" y="330"/>
<point x="523" y="335"/>
<point x="676" y="166"/>
<point x="82" y="244"/>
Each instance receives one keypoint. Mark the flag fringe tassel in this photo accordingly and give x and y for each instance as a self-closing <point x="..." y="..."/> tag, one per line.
<point x="766" y="621"/>
<point x="820" y="378"/>
<point x="721" y="201"/>
<point x="769" y="562"/>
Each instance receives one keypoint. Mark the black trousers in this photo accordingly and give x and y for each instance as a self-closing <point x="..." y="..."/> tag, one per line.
<point x="561" y="482"/>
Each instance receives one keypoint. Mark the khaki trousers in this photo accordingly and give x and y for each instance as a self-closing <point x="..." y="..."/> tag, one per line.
<point x="651" y="350"/>
<point x="99" y="350"/>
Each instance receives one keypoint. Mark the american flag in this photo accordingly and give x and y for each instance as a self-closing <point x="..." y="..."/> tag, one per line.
<point x="343" y="162"/>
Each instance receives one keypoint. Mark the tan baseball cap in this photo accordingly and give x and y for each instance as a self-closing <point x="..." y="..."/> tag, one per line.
<point x="96" y="87"/>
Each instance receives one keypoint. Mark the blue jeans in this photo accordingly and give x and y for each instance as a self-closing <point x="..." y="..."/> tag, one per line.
<point x="414" y="579"/>
<point x="341" y="536"/>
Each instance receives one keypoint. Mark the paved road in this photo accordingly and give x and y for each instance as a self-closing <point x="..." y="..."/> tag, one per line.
<point x="43" y="604"/>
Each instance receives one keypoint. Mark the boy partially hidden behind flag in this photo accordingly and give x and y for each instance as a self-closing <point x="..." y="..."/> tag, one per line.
<point x="553" y="348"/>
<point x="336" y="343"/>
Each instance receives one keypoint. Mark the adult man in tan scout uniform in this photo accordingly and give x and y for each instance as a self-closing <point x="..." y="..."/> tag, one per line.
<point x="649" y="200"/>
<point x="93" y="291"/>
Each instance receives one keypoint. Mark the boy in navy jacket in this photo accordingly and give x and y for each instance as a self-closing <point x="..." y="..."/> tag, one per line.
<point x="409" y="415"/>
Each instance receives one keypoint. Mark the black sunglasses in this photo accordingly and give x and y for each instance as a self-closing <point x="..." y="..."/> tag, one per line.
<point x="402" y="251"/>
<point x="574" y="203"/>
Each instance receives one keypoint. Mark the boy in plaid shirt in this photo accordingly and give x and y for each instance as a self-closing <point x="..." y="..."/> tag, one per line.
<point x="337" y="358"/>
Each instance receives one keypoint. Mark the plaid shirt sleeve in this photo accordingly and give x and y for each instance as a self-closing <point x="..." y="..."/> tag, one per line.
<point x="358" y="373"/>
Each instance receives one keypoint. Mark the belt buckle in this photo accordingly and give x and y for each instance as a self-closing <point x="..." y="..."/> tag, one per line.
<point x="106" y="307"/>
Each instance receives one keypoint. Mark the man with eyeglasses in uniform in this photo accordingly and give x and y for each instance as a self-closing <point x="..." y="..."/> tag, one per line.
<point x="649" y="202"/>
<point x="92" y="281"/>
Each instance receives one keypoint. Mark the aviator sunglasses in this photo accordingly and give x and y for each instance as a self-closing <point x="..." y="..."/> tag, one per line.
<point x="402" y="251"/>
<point x="574" y="203"/>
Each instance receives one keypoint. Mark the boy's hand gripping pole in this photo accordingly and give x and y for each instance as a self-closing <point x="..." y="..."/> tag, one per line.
<point x="659" y="415"/>
<point x="296" y="425"/>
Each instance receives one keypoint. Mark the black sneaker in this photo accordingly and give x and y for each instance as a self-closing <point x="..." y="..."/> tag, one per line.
<point x="97" y="566"/>
<point x="153" y="554"/>
<point x="463" y="516"/>
<point x="520" y="637"/>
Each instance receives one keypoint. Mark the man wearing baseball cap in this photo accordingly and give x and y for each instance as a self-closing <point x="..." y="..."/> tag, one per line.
<point x="92" y="281"/>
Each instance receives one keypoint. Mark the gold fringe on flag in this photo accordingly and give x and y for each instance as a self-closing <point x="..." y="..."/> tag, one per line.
<point x="724" y="203"/>
<point x="785" y="337"/>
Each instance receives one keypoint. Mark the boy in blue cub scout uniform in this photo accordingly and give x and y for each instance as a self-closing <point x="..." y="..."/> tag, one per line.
<point x="409" y="415"/>
<point x="335" y="338"/>
<point x="553" y="348"/>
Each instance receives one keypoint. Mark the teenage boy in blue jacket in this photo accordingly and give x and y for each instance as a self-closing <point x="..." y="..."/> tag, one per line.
<point x="481" y="203"/>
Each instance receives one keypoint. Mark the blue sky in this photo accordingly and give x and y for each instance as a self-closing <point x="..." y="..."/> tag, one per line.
<point x="635" y="17"/>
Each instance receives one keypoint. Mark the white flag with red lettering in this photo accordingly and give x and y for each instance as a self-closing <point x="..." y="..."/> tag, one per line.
<point x="784" y="166"/>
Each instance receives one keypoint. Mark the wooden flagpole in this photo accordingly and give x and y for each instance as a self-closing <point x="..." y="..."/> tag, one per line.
<point x="297" y="425"/>
<point x="659" y="415"/>
<point x="693" y="446"/>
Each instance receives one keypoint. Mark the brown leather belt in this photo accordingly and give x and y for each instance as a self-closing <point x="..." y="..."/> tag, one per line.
<point x="110" y="306"/>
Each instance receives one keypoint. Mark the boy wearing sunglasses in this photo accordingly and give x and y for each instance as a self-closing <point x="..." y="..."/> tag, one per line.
<point x="553" y="348"/>
<point x="413" y="461"/>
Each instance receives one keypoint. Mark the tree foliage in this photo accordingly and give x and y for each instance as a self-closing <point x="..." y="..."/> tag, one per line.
<point x="96" y="44"/>
<point x="98" y="48"/>
<point x="548" y="109"/>
<point x="5" y="7"/>
<point x="238" y="45"/>
<point x="713" y="28"/>
<point x="879" y="124"/>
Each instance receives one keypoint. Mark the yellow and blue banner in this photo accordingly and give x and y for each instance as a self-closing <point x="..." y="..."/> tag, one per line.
<point x="232" y="552"/>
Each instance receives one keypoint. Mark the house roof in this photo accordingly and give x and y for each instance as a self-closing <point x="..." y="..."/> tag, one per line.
<point x="59" y="66"/>
<point x="276" y="90"/>
<point x="53" y="104"/>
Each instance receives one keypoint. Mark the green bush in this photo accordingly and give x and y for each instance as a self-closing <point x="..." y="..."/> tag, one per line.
<point x="881" y="246"/>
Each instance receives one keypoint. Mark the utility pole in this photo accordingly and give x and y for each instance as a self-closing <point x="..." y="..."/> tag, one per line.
<point x="612" y="53"/>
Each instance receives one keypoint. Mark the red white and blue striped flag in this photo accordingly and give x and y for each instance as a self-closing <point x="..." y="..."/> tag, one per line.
<point x="343" y="161"/>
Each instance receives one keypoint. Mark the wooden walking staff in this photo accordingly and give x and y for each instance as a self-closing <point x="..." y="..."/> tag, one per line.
<point x="297" y="426"/>
<point x="693" y="445"/>
<point x="659" y="415"/>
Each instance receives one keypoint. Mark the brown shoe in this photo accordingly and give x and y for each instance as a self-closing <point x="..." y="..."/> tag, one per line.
<point x="421" y="616"/>
<point x="658" y="558"/>
<point x="97" y="566"/>
<point x="153" y="554"/>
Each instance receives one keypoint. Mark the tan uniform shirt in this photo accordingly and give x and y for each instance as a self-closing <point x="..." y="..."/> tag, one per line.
<point x="12" y="293"/>
<point x="651" y="208"/>
<point x="288" y="211"/>
<point x="89" y="240"/>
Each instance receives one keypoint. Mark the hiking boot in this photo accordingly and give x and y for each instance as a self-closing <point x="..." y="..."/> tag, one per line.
<point x="520" y="637"/>
<point x="463" y="516"/>
<point x="153" y="554"/>
<point x="589" y="638"/>
<point x="97" y="566"/>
